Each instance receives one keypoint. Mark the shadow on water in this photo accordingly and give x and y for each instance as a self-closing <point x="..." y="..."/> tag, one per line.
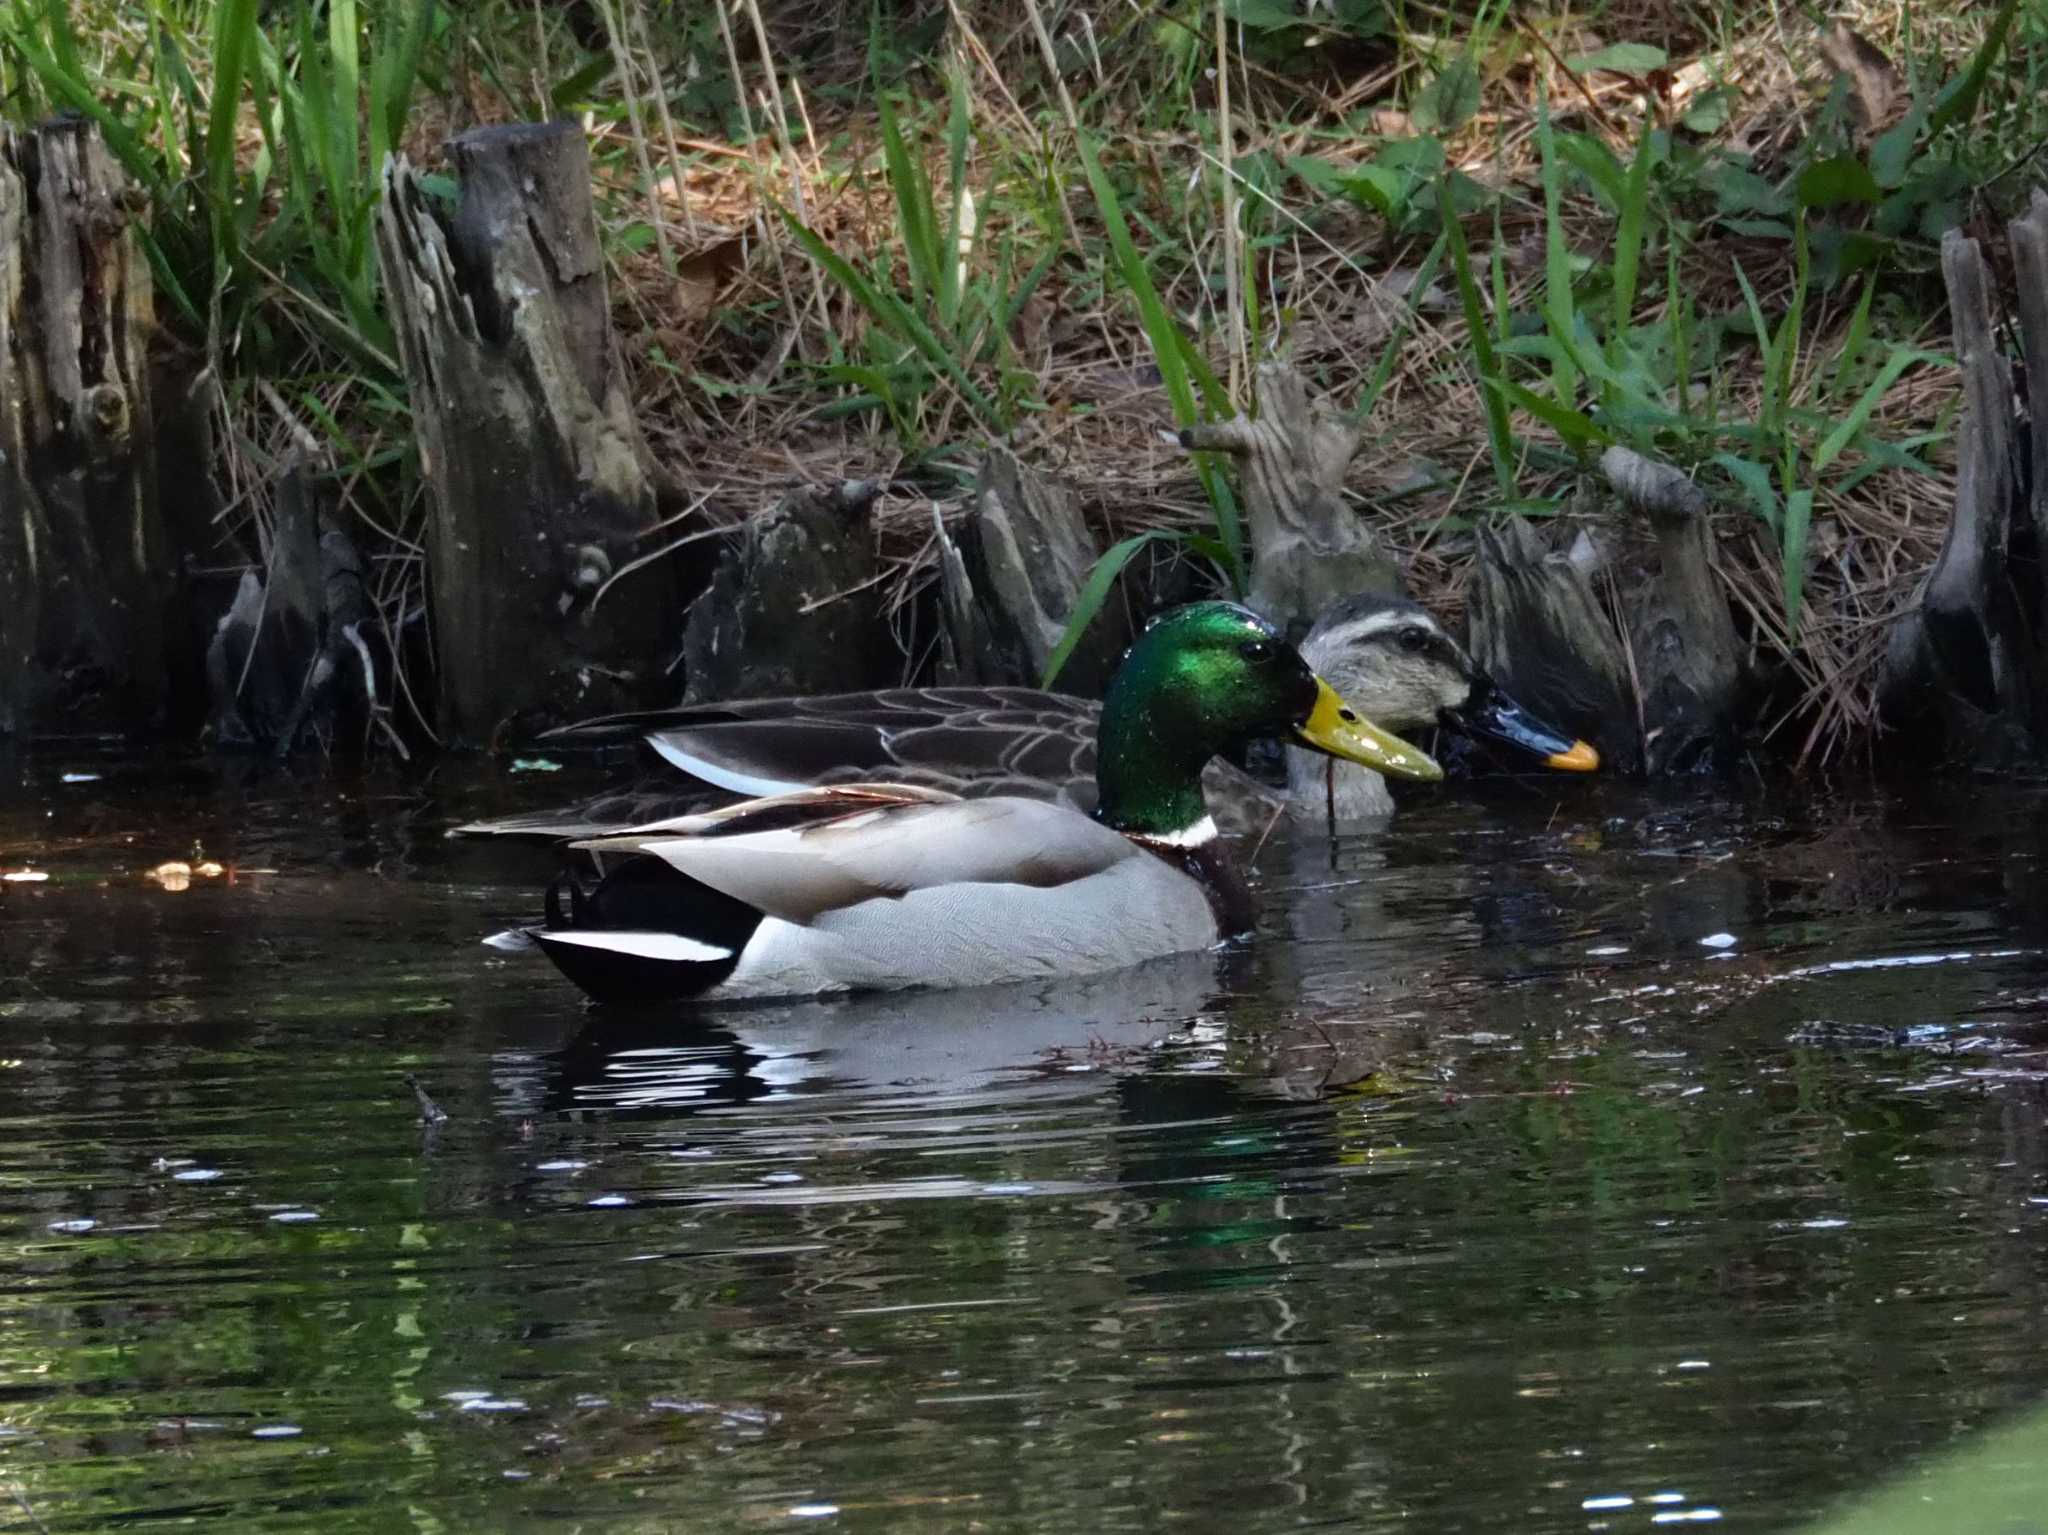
<point x="1555" y="1162"/>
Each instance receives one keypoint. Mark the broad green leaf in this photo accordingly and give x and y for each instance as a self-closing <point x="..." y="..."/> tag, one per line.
<point x="1448" y="102"/>
<point x="1891" y="156"/>
<point x="1591" y="158"/>
<point x="1837" y="180"/>
<point x="1739" y="190"/>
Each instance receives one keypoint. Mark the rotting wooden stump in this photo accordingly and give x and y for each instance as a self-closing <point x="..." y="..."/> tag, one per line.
<point x="1688" y="657"/>
<point x="1539" y="630"/>
<point x="1965" y="667"/>
<point x="1308" y="547"/>
<point x="794" y="606"/>
<point x="1011" y="579"/>
<point x="542" y="489"/>
<point x="84" y="573"/>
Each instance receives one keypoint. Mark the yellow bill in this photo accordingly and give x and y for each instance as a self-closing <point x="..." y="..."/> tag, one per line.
<point x="1336" y="728"/>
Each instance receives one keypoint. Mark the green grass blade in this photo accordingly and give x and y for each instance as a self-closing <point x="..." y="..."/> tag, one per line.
<point x="234" y="35"/>
<point x="890" y="312"/>
<point x="1390" y="354"/>
<point x="1491" y="380"/>
<point x="1628" y="236"/>
<point x="1959" y="100"/>
<point x="393" y="76"/>
<point x="1160" y="327"/>
<point x="1558" y="312"/>
<point x="1852" y="344"/>
<point x="1579" y="430"/>
<point x="913" y="207"/>
<point x="1095" y="592"/>
<point x="1767" y="411"/>
<point x="1851" y="425"/>
<point x="952" y="260"/>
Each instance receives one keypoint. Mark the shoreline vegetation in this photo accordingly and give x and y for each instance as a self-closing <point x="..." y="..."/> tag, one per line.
<point x="833" y="300"/>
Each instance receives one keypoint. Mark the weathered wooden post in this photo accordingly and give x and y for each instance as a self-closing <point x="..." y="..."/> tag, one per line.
<point x="542" y="488"/>
<point x="1010" y="579"/>
<point x="84" y="571"/>
<point x="1964" y="667"/>
<point x="1308" y="548"/>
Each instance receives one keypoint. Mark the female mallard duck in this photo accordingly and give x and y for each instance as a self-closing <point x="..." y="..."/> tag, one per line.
<point x="1386" y="655"/>
<point x="880" y="886"/>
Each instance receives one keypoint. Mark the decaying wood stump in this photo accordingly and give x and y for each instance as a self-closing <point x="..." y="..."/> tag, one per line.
<point x="1688" y="657"/>
<point x="1010" y="581"/>
<point x="1308" y="548"/>
<point x="1964" y="669"/>
<point x="1538" y="628"/>
<point x="542" y="492"/>
<point x="84" y="572"/>
<point x="795" y="605"/>
<point x="297" y="655"/>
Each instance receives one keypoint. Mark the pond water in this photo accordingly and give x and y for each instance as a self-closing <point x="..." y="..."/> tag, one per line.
<point x="1568" y="1158"/>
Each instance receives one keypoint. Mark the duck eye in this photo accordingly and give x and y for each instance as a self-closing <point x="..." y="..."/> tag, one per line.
<point x="1256" y="650"/>
<point x="1414" y="640"/>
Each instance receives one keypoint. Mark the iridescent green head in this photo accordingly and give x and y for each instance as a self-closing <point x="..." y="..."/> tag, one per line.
<point x="1200" y="680"/>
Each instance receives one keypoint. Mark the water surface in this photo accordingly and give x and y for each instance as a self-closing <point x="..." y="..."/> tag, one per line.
<point x="1483" y="1193"/>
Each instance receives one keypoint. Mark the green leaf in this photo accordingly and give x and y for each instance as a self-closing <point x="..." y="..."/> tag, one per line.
<point x="1492" y="381"/>
<point x="1891" y="155"/>
<point x="1754" y="479"/>
<point x="1836" y="180"/>
<point x="1558" y="311"/>
<point x="1959" y="99"/>
<point x="1739" y="190"/>
<point x="1382" y="190"/>
<point x="1628" y="236"/>
<point x="1095" y="592"/>
<point x="1852" y="344"/>
<point x="1574" y="426"/>
<point x="1448" y="102"/>
<point x="1263" y="15"/>
<point x="1319" y="175"/>
<point x="1170" y="349"/>
<point x="1710" y="111"/>
<point x="1591" y="158"/>
<point x="1621" y="59"/>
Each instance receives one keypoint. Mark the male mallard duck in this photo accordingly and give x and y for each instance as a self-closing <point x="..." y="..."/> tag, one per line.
<point x="1386" y="655"/>
<point x="880" y="886"/>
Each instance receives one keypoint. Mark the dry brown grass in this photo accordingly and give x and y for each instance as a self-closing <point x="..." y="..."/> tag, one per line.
<point x="758" y="427"/>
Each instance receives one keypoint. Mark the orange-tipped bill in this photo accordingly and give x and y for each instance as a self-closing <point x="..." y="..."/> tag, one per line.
<point x="1491" y="715"/>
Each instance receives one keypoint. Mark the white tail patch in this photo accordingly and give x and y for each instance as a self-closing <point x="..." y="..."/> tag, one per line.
<point x="514" y="940"/>
<point x="719" y="777"/>
<point x="641" y="945"/>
